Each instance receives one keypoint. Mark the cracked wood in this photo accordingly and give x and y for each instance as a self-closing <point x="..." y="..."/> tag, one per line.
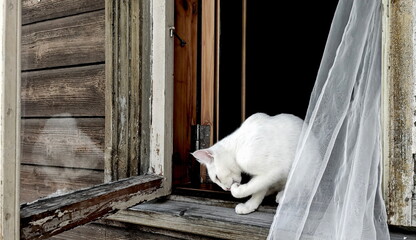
<point x="50" y="216"/>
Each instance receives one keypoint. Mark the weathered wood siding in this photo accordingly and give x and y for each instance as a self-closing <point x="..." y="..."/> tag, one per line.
<point x="63" y="85"/>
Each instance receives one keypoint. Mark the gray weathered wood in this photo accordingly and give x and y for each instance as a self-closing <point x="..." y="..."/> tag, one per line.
<point x="41" y="181"/>
<point x="65" y="41"/>
<point x="47" y="217"/>
<point x="76" y="92"/>
<point x="63" y="142"/>
<point x="161" y="130"/>
<point x="100" y="232"/>
<point x="35" y="10"/>
<point x="123" y="89"/>
<point x="145" y="83"/>
<point x="199" y="218"/>
<point x="10" y="13"/>
<point x="398" y="110"/>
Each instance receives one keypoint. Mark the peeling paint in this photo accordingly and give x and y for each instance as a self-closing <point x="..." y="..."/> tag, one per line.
<point x="42" y="221"/>
<point x="400" y="118"/>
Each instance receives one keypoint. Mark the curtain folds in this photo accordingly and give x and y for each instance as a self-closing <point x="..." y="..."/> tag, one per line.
<point x="333" y="190"/>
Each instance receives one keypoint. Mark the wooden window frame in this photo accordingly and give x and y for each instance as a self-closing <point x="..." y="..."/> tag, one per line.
<point x="397" y="53"/>
<point x="10" y="21"/>
<point x="398" y="108"/>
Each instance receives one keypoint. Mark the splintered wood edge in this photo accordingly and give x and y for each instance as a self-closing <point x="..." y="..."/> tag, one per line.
<point x="50" y="216"/>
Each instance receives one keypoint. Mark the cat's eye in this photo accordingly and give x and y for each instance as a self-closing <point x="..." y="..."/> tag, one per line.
<point x="218" y="179"/>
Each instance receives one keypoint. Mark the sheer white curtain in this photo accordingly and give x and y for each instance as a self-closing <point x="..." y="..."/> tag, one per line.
<point x="334" y="191"/>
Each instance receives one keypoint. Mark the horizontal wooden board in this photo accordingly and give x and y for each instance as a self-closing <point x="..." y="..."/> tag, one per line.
<point x="77" y="91"/>
<point x="199" y="218"/>
<point x="41" y="10"/>
<point x="65" y="41"/>
<point x="63" y="142"/>
<point x="100" y="232"/>
<point x="50" y="216"/>
<point x="40" y="181"/>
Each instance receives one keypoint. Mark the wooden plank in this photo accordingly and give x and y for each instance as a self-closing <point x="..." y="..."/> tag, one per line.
<point x="398" y="111"/>
<point x="47" y="217"/>
<point x="65" y="41"/>
<point x="100" y="232"/>
<point x="10" y="12"/>
<point x="161" y="129"/>
<point x="207" y="70"/>
<point x="145" y="83"/>
<point x="77" y="92"/>
<point x="206" y="220"/>
<point x="63" y="142"/>
<point x="154" y="233"/>
<point x="217" y="69"/>
<point x="40" y="181"/>
<point x="35" y="10"/>
<point x="413" y="212"/>
<point x="185" y="86"/>
<point x="123" y="86"/>
<point x="208" y="63"/>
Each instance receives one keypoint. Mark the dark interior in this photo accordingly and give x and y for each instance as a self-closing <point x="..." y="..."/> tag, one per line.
<point x="285" y="43"/>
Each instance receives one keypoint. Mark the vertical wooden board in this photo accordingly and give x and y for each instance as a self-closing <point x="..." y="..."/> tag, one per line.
<point x="145" y="83"/>
<point x="63" y="142"/>
<point x="208" y="62"/>
<point x="185" y="92"/>
<point x="398" y="119"/>
<point x="401" y="111"/>
<point x="207" y="70"/>
<point x="123" y="89"/>
<point x="10" y="22"/>
<point x="76" y="92"/>
<point x="161" y="131"/>
<point x="65" y="41"/>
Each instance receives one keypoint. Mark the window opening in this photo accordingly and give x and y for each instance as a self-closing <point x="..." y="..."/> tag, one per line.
<point x="279" y="71"/>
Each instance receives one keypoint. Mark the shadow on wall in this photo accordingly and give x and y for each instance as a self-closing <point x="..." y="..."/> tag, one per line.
<point x="61" y="154"/>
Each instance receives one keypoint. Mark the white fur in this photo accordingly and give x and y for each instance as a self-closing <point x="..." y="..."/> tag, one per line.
<point x="263" y="147"/>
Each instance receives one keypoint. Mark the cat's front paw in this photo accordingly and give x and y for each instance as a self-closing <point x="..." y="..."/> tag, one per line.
<point x="243" y="208"/>
<point x="279" y="196"/>
<point x="236" y="190"/>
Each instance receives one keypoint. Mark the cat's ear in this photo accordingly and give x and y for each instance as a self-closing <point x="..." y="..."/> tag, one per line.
<point x="203" y="156"/>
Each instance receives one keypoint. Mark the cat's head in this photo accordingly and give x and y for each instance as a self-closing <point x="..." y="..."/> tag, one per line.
<point x="218" y="166"/>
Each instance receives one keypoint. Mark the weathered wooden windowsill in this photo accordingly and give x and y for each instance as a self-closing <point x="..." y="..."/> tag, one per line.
<point x="203" y="217"/>
<point x="50" y="216"/>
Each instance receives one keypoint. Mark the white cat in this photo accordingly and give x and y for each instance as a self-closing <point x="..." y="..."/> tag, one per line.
<point x="263" y="147"/>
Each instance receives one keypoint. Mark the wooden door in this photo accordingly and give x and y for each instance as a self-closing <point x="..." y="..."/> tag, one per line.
<point x="200" y="99"/>
<point x="185" y="89"/>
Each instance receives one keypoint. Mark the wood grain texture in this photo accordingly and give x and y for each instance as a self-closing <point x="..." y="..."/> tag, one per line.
<point x="35" y="10"/>
<point x="185" y="84"/>
<point x="40" y="181"/>
<point x="76" y="92"/>
<point x="50" y="216"/>
<point x="10" y="13"/>
<point x="103" y="232"/>
<point x="65" y="41"/>
<point x="398" y="122"/>
<point x="208" y="63"/>
<point x="206" y="220"/>
<point x="63" y="142"/>
<point x="207" y="71"/>
<point x="123" y="89"/>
